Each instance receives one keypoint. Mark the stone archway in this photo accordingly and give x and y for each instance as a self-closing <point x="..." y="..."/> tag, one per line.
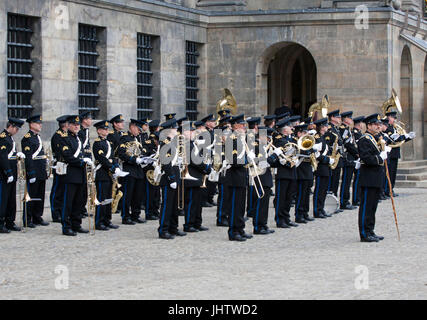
<point x="406" y="99"/>
<point x="287" y="71"/>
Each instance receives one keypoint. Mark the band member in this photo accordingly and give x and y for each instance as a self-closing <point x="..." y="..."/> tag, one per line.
<point x="372" y="159"/>
<point x="394" y="157"/>
<point x="261" y="204"/>
<point x="73" y="177"/>
<point x="237" y="176"/>
<point x="253" y="124"/>
<point x="35" y="166"/>
<point x="170" y="116"/>
<point x="350" y="157"/>
<point x="211" y="187"/>
<point x="152" y="192"/>
<point x="270" y="121"/>
<point x="383" y="133"/>
<point x="304" y="179"/>
<point x="106" y="168"/>
<point x="332" y="134"/>
<point x="286" y="175"/>
<point x="8" y="175"/>
<point x="129" y="151"/>
<point x="57" y="191"/>
<point x="198" y="172"/>
<point x="114" y="135"/>
<point x="357" y="134"/>
<point x="169" y="182"/>
<point x="323" y="169"/>
<point x="222" y="214"/>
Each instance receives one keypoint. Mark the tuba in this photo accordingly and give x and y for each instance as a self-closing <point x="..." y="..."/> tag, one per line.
<point x="153" y="175"/>
<point x="335" y="153"/>
<point x="394" y="102"/>
<point x="306" y="143"/>
<point x="227" y="102"/>
<point x="321" y="107"/>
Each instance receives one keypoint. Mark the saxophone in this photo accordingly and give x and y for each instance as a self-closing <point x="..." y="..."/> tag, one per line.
<point x="116" y="195"/>
<point x="335" y="154"/>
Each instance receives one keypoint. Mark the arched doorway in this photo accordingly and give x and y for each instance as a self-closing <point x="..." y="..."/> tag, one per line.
<point x="406" y="99"/>
<point x="292" y="77"/>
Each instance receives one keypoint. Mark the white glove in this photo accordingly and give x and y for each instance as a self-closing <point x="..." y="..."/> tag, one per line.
<point x="119" y="173"/>
<point x="278" y="152"/>
<point x="312" y="132"/>
<point x="88" y="161"/>
<point x="32" y="180"/>
<point x="139" y="160"/>
<point x="173" y="185"/>
<point x="383" y="155"/>
<point x="251" y="156"/>
<point x="20" y="155"/>
<point x="345" y="134"/>
<point x="395" y="136"/>
<point x="387" y="149"/>
<point x="282" y="161"/>
<point x="357" y="164"/>
<point x="410" y="135"/>
<point x="10" y="179"/>
<point x="331" y="161"/>
<point x="263" y="164"/>
<point x="317" y="147"/>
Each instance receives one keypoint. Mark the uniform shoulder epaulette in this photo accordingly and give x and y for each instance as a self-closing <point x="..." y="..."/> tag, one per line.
<point x="343" y="126"/>
<point x="124" y="134"/>
<point x="279" y="136"/>
<point x="329" y="126"/>
<point x="28" y="135"/>
<point x="147" y="141"/>
<point x="328" y="138"/>
<point x="97" y="140"/>
<point x="317" y="136"/>
<point x="62" y="134"/>
<point x="100" y="152"/>
<point x="110" y="131"/>
<point x="3" y="135"/>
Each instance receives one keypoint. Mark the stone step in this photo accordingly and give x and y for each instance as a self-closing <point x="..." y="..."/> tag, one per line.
<point x="412" y="177"/>
<point x="414" y="170"/>
<point x="412" y="164"/>
<point x="411" y="184"/>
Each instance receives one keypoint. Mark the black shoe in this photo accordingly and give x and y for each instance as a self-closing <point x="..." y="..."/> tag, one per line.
<point x="112" y="226"/>
<point x="300" y="220"/>
<point x="356" y="204"/>
<point x="261" y="231"/>
<point x="222" y="224"/>
<point x="129" y="222"/>
<point x="369" y="239"/>
<point x="378" y="237"/>
<point x="202" y="228"/>
<point x="191" y="229"/>
<point x="151" y="217"/>
<point x="338" y="211"/>
<point x="327" y="215"/>
<point x="30" y="225"/>
<point x="56" y="220"/>
<point x="139" y="220"/>
<point x="236" y="237"/>
<point x="102" y="227"/>
<point x="41" y="223"/>
<point x="69" y="232"/>
<point x="13" y="227"/>
<point x="348" y="206"/>
<point x="178" y="233"/>
<point x="81" y="230"/>
<point x="384" y="197"/>
<point x="246" y="235"/>
<point x="3" y="229"/>
<point x="320" y="216"/>
<point x="166" y="235"/>
<point x="283" y="225"/>
<point x="291" y="224"/>
<point x="308" y="218"/>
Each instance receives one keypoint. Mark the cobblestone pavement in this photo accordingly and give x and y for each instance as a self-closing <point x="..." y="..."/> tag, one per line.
<point x="314" y="261"/>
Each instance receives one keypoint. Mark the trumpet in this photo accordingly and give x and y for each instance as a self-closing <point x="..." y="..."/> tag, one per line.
<point x="288" y="154"/>
<point x="254" y="173"/>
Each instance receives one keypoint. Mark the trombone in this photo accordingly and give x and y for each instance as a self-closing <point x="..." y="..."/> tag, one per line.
<point x="254" y="173"/>
<point x="183" y="169"/>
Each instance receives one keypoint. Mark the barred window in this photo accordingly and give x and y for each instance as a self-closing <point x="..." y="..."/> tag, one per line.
<point x="192" y="67"/>
<point x="144" y="76"/>
<point x="19" y="66"/>
<point x="88" y="69"/>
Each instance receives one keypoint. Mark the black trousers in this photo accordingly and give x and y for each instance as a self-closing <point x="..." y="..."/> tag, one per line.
<point x="223" y="199"/>
<point x="34" y="212"/>
<point x="250" y="201"/>
<point x="211" y="190"/>
<point x="56" y="196"/>
<point x="104" y="190"/>
<point x="133" y="193"/>
<point x="368" y="207"/>
<point x="285" y="191"/>
<point x="335" y="181"/>
<point x="152" y="199"/>
<point x="237" y="211"/>
<point x="320" y="191"/>
<point x="347" y="174"/>
<point x="7" y="203"/>
<point x="192" y="207"/>
<point x="168" y="211"/>
<point x="261" y="205"/>
<point x="71" y="205"/>
<point x="356" y="187"/>
<point x="302" y="205"/>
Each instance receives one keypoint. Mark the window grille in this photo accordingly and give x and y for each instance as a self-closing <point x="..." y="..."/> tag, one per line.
<point x="144" y="76"/>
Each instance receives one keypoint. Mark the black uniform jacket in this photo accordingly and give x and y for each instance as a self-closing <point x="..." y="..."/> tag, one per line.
<point x="237" y="174"/>
<point x="72" y="154"/>
<point x="129" y="161"/>
<point x="196" y="170"/>
<point x="104" y="160"/>
<point x="84" y="138"/>
<point x="35" y="167"/>
<point x="114" y="137"/>
<point x="55" y="143"/>
<point x="266" y="178"/>
<point x="351" y="154"/>
<point x="323" y="169"/>
<point x="371" y="168"/>
<point x="283" y="171"/>
<point x="330" y="136"/>
<point x="7" y="157"/>
<point x="395" y="152"/>
<point x="171" y="173"/>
